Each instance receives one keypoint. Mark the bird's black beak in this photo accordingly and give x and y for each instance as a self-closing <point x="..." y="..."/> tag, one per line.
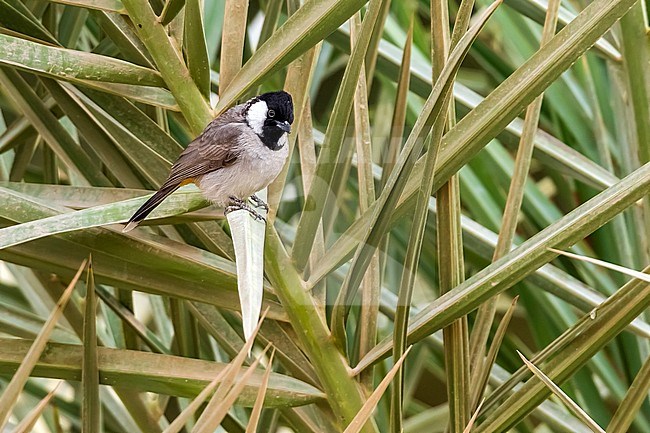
<point x="285" y="126"/>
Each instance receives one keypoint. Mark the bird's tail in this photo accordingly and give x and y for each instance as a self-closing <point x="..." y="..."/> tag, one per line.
<point x="150" y="205"/>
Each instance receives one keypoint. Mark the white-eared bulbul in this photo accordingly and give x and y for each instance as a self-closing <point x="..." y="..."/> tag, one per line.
<point x="239" y="153"/>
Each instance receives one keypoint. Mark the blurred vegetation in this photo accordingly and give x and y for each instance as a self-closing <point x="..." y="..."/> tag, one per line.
<point x="439" y="151"/>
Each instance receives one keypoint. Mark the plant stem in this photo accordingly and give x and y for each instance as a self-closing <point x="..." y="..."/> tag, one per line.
<point x="344" y="393"/>
<point x="170" y="63"/>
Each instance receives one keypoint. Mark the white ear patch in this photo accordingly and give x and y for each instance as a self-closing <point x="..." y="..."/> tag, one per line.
<point x="256" y="116"/>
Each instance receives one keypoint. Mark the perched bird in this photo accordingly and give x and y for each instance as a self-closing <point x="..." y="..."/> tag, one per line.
<point x="239" y="153"/>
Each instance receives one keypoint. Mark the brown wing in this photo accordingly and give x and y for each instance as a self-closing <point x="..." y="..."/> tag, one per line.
<point x="215" y="148"/>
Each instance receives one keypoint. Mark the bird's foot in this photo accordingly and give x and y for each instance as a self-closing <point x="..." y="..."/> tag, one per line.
<point x="260" y="203"/>
<point x="239" y="204"/>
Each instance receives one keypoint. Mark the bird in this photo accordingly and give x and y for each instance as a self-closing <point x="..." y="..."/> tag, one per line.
<point x="239" y="153"/>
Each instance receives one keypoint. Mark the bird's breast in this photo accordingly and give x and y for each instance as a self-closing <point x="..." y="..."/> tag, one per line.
<point x="255" y="168"/>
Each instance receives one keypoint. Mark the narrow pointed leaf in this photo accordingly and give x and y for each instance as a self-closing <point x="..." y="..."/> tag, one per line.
<point x="222" y="383"/>
<point x="253" y="420"/>
<point x="248" y="241"/>
<point x="481" y="374"/>
<point x="604" y="264"/>
<point x="217" y="408"/>
<point x="113" y="213"/>
<point x="568" y="352"/>
<point x="49" y="127"/>
<point x="62" y="63"/>
<point x="636" y="395"/>
<point x="399" y="113"/>
<point x="150" y="372"/>
<point x="311" y="23"/>
<point x="371" y="285"/>
<point x="127" y="316"/>
<point x="168" y="59"/>
<point x="529" y="256"/>
<point x="366" y="411"/>
<point x="196" y="49"/>
<point x="515" y="197"/>
<point x="104" y="5"/>
<point x="119" y="29"/>
<point x="187" y="413"/>
<point x="381" y="214"/>
<point x="333" y="371"/>
<point x="206" y="420"/>
<point x="91" y="406"/>
<point x="472" y="420"/>
<point x="334" y="136"/>
<point x="171" y="10"/>
<point x="17" y="17"/>
<point x="474" y="131"/>
<point x="87" y="127"/>
<point x="233" y="37"/>
<point x="27" y="424"/>
<point x="536" y="10"/>
<point x="33" y="353"/>
<point x="548" y="148"/>
<point x="573" y="407"/>
<point x="152" y="274"/>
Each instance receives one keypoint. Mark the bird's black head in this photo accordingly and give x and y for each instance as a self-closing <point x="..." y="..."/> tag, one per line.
<point x="271" y="115"/>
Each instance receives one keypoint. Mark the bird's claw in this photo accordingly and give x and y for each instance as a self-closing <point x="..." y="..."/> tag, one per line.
<point x="260" y="203"/>
<point x="238" y="204"/>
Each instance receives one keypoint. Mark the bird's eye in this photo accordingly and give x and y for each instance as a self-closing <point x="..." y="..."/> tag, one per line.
<point x="270" y="113"/>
